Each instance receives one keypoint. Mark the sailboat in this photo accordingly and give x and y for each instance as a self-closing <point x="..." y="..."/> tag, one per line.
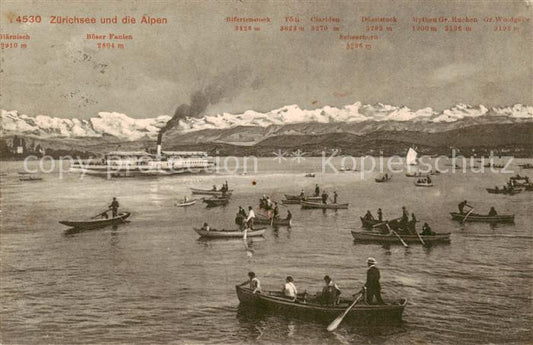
<point x="412" y="157"/>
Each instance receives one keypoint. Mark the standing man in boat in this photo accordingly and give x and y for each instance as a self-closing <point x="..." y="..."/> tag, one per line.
<point x="405" y="216"/>
<point x="114" y="207"/>
<point x="462" y="205"/>
<point x="324" y="197"/>
<point x="335" y="195"/>
<point x="317" y="190"/>
<point x="372" y="286"/>
<point x="251" y="217"/>
<point x="253" y="283"/>
<point x="380" y="215"/>
<point x="289" y="215"/>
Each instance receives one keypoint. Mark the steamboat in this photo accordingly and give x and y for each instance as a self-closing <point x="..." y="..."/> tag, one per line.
<point x="141" y="163"/>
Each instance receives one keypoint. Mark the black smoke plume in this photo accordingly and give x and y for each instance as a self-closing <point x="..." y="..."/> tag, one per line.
<point x="224" y="86"/>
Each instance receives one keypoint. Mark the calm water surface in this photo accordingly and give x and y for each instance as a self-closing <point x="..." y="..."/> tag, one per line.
<point x="153" y="281"/>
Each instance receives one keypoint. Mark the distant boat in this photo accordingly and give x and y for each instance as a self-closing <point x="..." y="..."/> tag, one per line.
<point x="309" y="175"/>
<point x="412" y="157"/>
<point x="27" y="178"/>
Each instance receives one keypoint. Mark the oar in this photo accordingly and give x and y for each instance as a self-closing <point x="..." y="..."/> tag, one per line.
<point x="395" y="233"/>
<point x="420" y="238"/>
<point x="101" y="213"/>
<point x="333" y="326"/>
<point x="245" y="231"/>
<point x="464" y="219"/>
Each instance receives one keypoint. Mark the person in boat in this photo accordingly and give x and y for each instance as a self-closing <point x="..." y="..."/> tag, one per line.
<point x="330" y="292"/>
<point x="380" y="215"/>
<point x="268" y="203"/>
<point x="426" y="230"/>
<point x="214" y="188"/>
<point x="335" y="195"/>
<point x="289" y="215"/>
<point x="493" y="212"/>
<point x="251" y="218"/>
<point x="324" y="197"/>
<point x="526" y="179"/>
<point x="185" y="199"/>
<point x="405" y="215"/>
<point x="428" y="180"/>
<point x="496" y="188"/>
<point x="412" y="225"/>
<point x="317" y="190"/>
<point x="302" y="194"/>
<point x="240" y="219"/>
<point x="462" y="205"/>
<point x="368" y="216"/>
<point x="275" y="211"/>
<point x="206" y="227"/>
<point x="114" y="207"/>
<point x="372" y="286"/>
<point x="386" y="177"/>
<point x="289" y="289"/>
<point x="253" y="283"/>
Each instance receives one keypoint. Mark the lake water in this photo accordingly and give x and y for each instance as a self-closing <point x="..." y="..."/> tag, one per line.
<point x="153" y="281"/>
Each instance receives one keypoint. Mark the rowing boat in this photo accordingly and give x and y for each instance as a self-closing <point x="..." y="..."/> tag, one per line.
<point x="390" y="238"/>
<point x="260" y="219"/>
<point x="424" y="183"/>
<point x="299" y="197"/>
<point x="273" y="301"/>
<point x="186" y="203"/>
<point x="213" y="233"/>
<point x="383" y="179"/>
<point x="27" y="178"/>
<point x="473" y="217"/>
<point x="96" y="223"/>
<point x="308" y="204"/>
<point x="309" y="175"/>
<point x="216" y="202"/>
<point x="209" y="191"/>
<point x="503" y="191"/>
<point x="526" y="166"/>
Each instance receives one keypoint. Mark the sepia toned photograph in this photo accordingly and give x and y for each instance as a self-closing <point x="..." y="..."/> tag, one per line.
<point x="266" y="172"/>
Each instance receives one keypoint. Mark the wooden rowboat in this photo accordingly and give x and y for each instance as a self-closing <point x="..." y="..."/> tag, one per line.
<point x="260" y="219"/>
<point x="366" y="236"/>
<point x="185" y="204"/>
<point x="96" y="223"/>
<point x="383" y="179"/>
<point x="273" y="301"/>
<point x="209" y="191"/>
<point x="473" y="217"/>
<point x="216" y="202"/>
<point x="423" y="184"/>
<point x="503" y="191"/>
<point x="290" y="202"/>
<point x="213" y="233"/>
<point x="29" y="178"/>
<point x="308" y="204"/>
<point x="298" y="197"/>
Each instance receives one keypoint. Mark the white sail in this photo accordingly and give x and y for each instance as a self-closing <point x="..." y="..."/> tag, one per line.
<point x="411" y="158"/>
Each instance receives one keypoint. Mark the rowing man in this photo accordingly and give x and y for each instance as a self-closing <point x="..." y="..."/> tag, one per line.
<point x="253" y="283"/>
<point x="462" y="205"/>
<point x="114" y="207"/>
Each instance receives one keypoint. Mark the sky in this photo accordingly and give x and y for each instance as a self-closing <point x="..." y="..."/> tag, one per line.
<point x="63" y="74"/>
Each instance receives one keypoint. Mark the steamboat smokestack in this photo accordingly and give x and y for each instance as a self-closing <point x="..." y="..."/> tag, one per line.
<point x="159" y="139"/>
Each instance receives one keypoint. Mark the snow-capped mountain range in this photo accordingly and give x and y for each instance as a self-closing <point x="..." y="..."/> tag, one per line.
<point x="125" y="128"/>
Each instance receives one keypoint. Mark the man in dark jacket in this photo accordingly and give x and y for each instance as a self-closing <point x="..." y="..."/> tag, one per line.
<point x="114" y="207"/>
<point x="373" y="288"/>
